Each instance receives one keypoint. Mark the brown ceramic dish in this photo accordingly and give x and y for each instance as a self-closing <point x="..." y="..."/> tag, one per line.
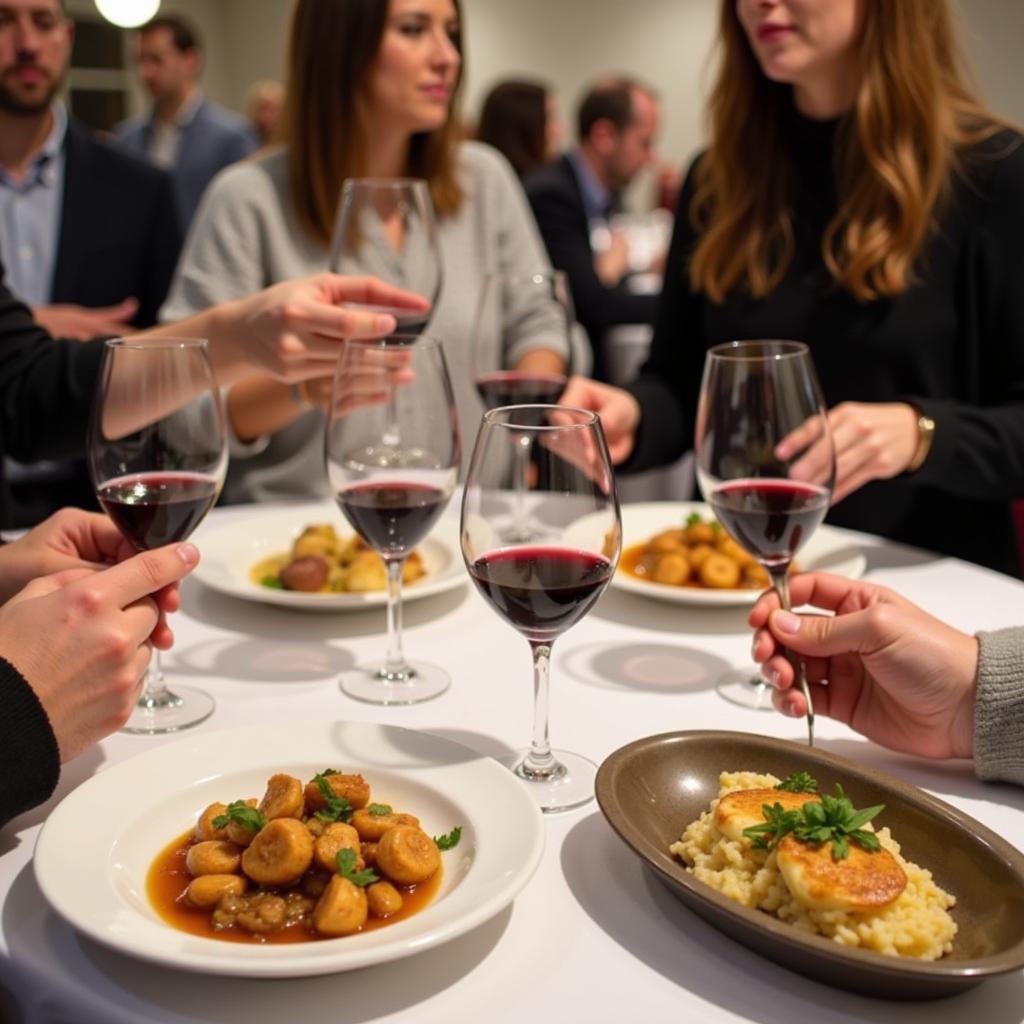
<point x="651" y="789"/>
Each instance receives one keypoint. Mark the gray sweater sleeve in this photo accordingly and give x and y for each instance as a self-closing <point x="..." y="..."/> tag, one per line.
<point x="999" y="707"/>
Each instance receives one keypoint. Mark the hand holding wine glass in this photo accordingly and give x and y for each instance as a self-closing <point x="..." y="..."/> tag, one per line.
<point x="393" y="452"/>
<point x="756" y="395"/>
<point x="543" y="585"/>
<point x="157" y="456"/>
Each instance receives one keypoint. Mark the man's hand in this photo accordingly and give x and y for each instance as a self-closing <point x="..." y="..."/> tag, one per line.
<point x="80" y="323"/>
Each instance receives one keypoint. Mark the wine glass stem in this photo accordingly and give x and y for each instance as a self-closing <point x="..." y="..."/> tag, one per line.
<point x="780" y="581"/>
<point x="392" y="434"/>
<point x="539" y="762"/>
<point x="155" y="694"/>
<point x="394" y="663"/>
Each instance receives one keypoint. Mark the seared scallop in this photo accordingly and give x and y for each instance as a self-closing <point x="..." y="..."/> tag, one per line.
<point x="742" y="808"/>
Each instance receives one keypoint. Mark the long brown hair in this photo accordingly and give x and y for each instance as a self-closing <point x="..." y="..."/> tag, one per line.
<point x="900" y="148"/>
<point x="514" y="120"/>
<point x="332" y="48"/>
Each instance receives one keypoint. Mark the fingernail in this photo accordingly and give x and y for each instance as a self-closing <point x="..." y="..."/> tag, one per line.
<point x="771" y="676"/>
<point x="188" y="553"/>
<point x="386" y="324"/>
<point x="787" y="622"/>
<point x="789" y="708"/>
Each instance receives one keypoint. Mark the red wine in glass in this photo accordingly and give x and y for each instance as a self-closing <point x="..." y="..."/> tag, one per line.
<point x="392" y="517"/>
<point x="770" y="518"/>
<point x="541" y="591"/>
<point x="519" y="387"/>
<point x="153" y="509"/>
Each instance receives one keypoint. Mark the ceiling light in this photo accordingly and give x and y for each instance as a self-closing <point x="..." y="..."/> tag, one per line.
<point x="127" y="13"/>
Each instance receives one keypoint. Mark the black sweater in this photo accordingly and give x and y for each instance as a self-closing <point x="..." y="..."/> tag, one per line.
<point x="46" y="389"/>
<point x="952" y="344"/>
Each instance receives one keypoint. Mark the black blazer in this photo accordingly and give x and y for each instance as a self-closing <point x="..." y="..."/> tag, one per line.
<point x="120" y="231"/>
<point x="557" y="202"/>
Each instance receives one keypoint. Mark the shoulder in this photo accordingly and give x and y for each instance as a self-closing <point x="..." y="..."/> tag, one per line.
<point x="479" y="162"/>
<point x="555" y="177"/>
<point x="131" y="128"/>
<point x="109" y="157"/>
<point x="225" y="122"/>
<point x="994" y="169"/>
<point x="252" y="182"/>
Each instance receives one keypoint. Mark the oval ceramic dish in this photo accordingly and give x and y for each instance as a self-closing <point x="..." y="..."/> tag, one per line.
<point x="651" y="789"/>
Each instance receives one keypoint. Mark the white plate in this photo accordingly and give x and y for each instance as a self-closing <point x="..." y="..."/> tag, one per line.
<point x="232" y="548"/>
<point x="97" y="846"/>
<point x="828" y="550"/>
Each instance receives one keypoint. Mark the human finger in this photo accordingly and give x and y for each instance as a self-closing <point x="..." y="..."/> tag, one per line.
<point x="792" y="704"/>
<point x="371" y="290"/>
<point x="147" y="573"/>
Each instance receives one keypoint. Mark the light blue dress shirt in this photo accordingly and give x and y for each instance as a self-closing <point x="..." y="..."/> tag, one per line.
<point x="30" y="217"/>
<point x="596" y="198"/>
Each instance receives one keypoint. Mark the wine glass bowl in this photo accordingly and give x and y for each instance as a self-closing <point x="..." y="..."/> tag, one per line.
<point x="157" y="457"/>
<point x="393" y="449"/>
<point x="765" y="461"/>
<point x="542" y="585"/>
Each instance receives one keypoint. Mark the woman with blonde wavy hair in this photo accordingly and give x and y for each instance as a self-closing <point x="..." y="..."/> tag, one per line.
<point x="372" y="91"/>
<point x="856" y="196"/>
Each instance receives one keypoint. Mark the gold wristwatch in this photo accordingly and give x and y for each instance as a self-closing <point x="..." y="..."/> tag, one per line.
<point x="925" y="437"/>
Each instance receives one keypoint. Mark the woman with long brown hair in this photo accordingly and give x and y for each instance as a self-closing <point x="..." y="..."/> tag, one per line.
<point x="855" y="196"/>
<point x="372" y="91"/>
<point x="519" y="120"/>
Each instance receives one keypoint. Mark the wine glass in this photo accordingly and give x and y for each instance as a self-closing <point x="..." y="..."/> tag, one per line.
<point x="393" y="450"/>
<point x="542" y="587"/>
<point x="386" y="227"/>
<point x="765" y="462"/>
<point x="516" y="313"/>
<point x="157" y="457"/>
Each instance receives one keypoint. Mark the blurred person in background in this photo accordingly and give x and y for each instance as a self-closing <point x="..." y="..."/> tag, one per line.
<point x="575" y="197"/>
<point x="184" y="132"/>
<point x="372" y="91"/>
<point x="520" y="120"/>
<point x="89" y="233"/>
<point x="263" y="102"/>
<point x="881" y="223"/>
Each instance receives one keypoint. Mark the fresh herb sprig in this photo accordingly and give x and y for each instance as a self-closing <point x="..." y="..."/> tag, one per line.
<point x="799" y="782"/>
<point x="338" y="808"/>
<point x="242" y="814"/>
<point x="450" y="841"/>
<point x="346" y="861"/>
<point x="829" y="819"/>
<point x="273" y="582"/>
<point x="379" y="810"/>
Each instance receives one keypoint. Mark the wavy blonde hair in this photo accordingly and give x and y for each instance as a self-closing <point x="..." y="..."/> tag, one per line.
<point x="333" y="45"/>
<point x="900" y="148"/>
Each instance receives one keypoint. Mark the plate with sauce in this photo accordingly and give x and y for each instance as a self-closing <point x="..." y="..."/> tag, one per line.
<point x="828" y="550"/>
<point x="98" y="856"/>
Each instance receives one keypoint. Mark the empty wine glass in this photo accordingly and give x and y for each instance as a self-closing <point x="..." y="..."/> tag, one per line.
<point x="157" y="457"/>
<point x="393" y="451"/>
<point x="386" y="227"/>
<point x="543" y="587"/>
<point x="517" y="314"/>
<point x="765" y="462"/>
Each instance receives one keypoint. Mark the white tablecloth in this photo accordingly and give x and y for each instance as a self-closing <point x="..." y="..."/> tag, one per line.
<point x="593" y="937"/>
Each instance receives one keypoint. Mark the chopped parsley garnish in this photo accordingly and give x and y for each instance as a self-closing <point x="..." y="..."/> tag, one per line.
<point x="272" y="582"/>
<point x="829" y="819"/>
<point x="800" y="782"/>
<point x="242" y="814"/>
<point x="346" y="861"/>
<point x="693" y="519"/>
<point x="338" y="808"/>
<point x="450" y="841"/>
<point x="379" y="810"/>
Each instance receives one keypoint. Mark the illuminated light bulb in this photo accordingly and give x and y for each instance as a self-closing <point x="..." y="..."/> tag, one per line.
<point x="127" y="13"/>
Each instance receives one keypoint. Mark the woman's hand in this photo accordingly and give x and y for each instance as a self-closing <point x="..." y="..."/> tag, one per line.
<point x="618" y="409"/>
<point x="880" y="664"/>
<point x="293" y="330"/>
<point x="872" y="440"/>
<point x="83" y="640"/>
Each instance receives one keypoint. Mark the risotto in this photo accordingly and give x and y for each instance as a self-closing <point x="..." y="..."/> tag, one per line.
<point x="915" y="924"/>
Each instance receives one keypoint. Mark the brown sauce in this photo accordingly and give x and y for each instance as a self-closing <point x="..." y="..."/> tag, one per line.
<point x="168" y="878"/>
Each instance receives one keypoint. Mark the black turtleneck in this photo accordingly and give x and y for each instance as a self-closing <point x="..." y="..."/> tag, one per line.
<point x="952" y="344"/>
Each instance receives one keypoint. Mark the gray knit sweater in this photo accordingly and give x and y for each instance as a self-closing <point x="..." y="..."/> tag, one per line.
<point x="246" y="236"/>
<point x="999" y="706"/>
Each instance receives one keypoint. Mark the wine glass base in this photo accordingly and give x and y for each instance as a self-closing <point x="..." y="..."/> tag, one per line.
<point x="180" y="709"/>
<point x="568" y="784"/>
<point x="746" y="689"/>
<point x="418" y="683"/>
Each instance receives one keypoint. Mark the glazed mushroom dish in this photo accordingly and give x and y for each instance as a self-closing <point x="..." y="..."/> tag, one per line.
<point x="700" y="553"/>
<point x="815" y="861"/>
<point x="308" y="861"/>
<point x="323" y="562"/>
